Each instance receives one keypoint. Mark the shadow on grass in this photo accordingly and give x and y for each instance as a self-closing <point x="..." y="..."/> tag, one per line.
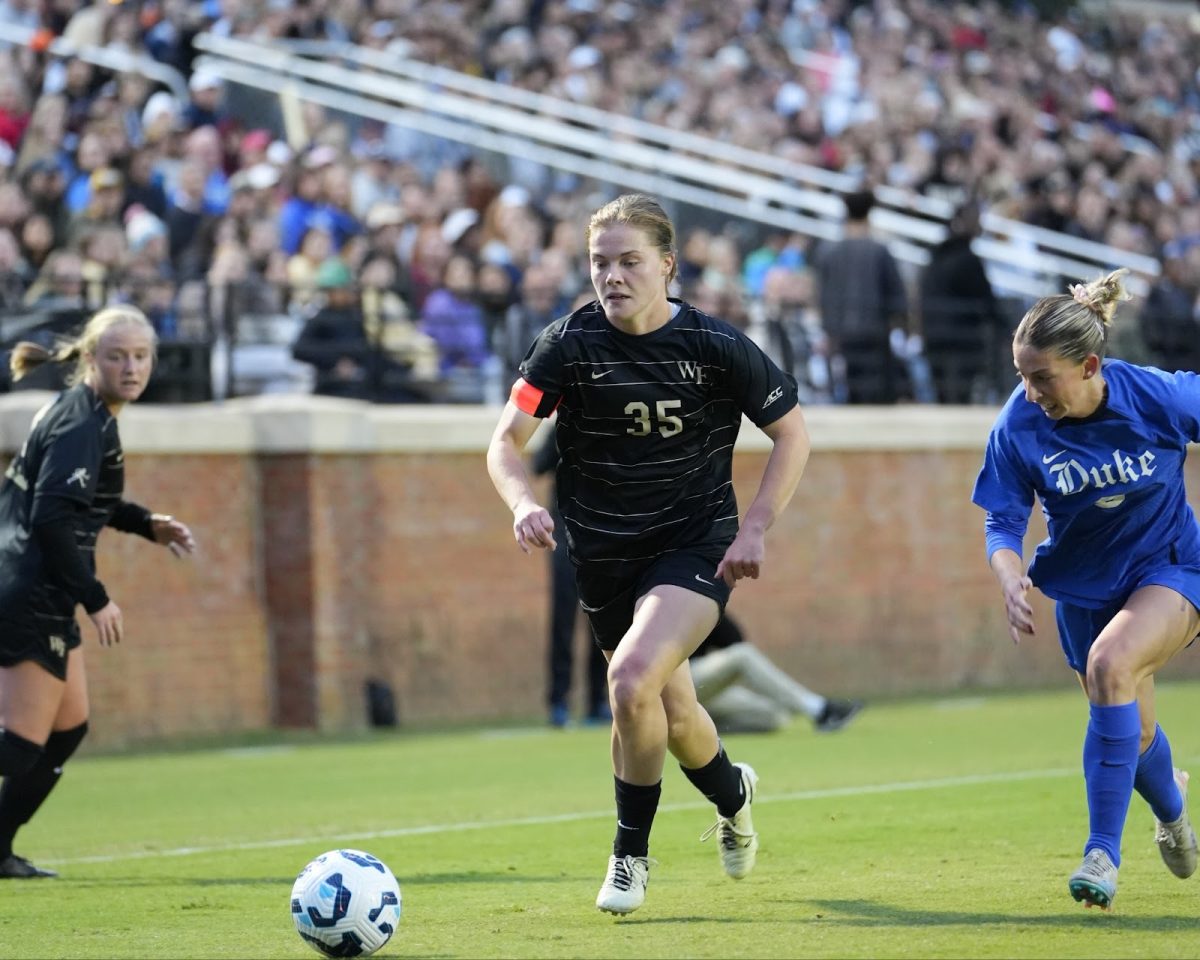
<point x="868" y="913"/>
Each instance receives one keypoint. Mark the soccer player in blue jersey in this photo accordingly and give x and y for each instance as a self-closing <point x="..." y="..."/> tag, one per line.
<point x="61" y="489"/>
<point x="650" y="393"/>
<point x="1101" y="444"/>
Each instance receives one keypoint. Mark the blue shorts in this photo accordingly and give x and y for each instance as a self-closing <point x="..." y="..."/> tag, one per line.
<point x="609" y="601"/>
<point x="1078" y="627"/>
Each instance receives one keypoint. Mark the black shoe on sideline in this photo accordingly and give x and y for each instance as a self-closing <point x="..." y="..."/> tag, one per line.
<point x="13" y="867"/>
<point x="837" y="714"/>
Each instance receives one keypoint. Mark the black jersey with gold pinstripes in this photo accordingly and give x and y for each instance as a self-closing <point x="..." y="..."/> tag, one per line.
<point x="71" y="466"/>
<point x="646" y="427"/>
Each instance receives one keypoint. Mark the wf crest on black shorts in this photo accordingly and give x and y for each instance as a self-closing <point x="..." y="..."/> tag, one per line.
<point x="20" y="642"/>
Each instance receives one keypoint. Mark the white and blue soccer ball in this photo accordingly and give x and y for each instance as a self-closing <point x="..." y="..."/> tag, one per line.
<point x="346" y="903"/>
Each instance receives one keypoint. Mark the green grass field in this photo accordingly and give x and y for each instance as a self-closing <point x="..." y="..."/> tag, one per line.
<point x="925" y="829"/>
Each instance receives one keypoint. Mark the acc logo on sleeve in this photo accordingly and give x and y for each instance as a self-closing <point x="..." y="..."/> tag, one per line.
<point x="772" y="397"/>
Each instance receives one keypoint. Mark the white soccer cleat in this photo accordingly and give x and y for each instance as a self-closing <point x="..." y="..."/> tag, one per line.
<point x="1177" y="840"/>
<point x="738" y="841"/>
<point x="624" y="887"/>
<point x="1094" y="884"/>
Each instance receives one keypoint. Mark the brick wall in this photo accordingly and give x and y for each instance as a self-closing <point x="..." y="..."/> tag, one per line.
<point x="339" y="543"/>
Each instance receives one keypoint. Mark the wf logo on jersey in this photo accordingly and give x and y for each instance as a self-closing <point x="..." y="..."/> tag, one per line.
<point x="1071" y="476"/>
<point x="80" y="476"/>
<point x="691" y="370"/>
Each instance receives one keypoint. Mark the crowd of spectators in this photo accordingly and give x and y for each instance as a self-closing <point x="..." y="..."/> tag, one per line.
<point x="443" y="266"/>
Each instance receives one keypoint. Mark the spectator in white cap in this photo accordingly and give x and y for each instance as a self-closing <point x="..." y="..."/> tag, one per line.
<point x="458" y="226"/>
<point x="279" y="154"/>
<point x="161" y="115"/>
<point x="204" y="109"/>
<point x="146" y="239"/>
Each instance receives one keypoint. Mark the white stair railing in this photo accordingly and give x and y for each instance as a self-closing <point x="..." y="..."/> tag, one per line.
<point x="1021" y="259"/>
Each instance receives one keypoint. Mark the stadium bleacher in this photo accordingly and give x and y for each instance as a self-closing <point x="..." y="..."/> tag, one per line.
<point x="204" y="162"/>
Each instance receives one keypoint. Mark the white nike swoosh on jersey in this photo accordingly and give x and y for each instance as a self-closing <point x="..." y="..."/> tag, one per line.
<point x="702" y="580"/>
<point x="597" y="376"/>
<point x="1053" y="457"/>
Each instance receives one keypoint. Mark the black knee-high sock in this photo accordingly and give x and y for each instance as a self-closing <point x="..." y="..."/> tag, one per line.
<point x="636" y="806"/>
<point x="720" y="782"/>
<point x="21" y="795"/>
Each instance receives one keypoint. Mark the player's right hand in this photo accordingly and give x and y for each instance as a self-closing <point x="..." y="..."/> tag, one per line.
<point x="109" y="625"/>
<point x="533" y="527"/>
<point x="1016" y="606"/>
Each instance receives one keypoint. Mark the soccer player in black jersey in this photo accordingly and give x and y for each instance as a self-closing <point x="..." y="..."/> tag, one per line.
<point x="58" y="492"/>
<point x="650" y="394"/>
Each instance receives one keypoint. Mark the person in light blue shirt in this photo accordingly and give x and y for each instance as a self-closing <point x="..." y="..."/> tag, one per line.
<point x="1101" y="445"/>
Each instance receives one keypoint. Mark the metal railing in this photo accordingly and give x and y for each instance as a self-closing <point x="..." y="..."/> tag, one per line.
<point x="110" y="58"/>
<point x="1021" y="258"/>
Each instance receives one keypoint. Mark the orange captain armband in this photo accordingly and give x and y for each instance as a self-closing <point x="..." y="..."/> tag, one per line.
<point x="531" y="400"/>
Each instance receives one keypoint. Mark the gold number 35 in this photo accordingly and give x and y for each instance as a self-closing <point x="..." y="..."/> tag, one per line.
<point x="668" y="424"/>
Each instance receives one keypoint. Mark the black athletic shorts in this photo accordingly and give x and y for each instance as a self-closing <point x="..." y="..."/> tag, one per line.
<point x="22" y="640"/>
<point x="608" y="601"/>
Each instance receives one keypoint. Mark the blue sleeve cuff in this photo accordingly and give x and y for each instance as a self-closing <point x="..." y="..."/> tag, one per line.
<point x="1003" y="533"/>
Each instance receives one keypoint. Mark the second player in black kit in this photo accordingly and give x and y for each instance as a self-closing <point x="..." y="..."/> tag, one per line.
<point x="649" y="394"/>
<point x="63" y="487"/>
<point x="66" y="486"/>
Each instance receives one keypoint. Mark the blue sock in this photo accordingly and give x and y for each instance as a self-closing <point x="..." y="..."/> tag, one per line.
<point x="1110" y="755"/>
<point x="1155" y="779"/>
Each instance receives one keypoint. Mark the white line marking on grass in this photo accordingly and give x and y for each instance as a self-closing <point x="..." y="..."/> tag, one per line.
<point x="324" y="840"/>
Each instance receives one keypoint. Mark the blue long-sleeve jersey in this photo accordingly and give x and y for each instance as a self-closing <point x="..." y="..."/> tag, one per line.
<point x="1110" y="485"/>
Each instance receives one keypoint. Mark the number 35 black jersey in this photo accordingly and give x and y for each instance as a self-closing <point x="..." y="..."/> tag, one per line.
<point x="646" y="427"/>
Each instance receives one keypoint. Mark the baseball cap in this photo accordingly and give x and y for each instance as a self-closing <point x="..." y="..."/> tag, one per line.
<point x="457" y="223"/>
<point x="385" y="215"/>
<point x="320" y="156"/>
<point x="204" y="80"/>
<point x="262" y="176"/>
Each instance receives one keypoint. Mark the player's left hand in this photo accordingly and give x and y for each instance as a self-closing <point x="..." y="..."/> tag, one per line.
<point x="744" y="557"/>
<point x="173" y="534"/>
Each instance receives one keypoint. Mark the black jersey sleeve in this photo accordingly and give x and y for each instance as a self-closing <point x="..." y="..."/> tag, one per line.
<point x="540" y="388"/>
<point x="68" y="473"/>
<point x="132" y="518"/>
<point x="65" y="565"/>
<point x="764" y="392"/>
